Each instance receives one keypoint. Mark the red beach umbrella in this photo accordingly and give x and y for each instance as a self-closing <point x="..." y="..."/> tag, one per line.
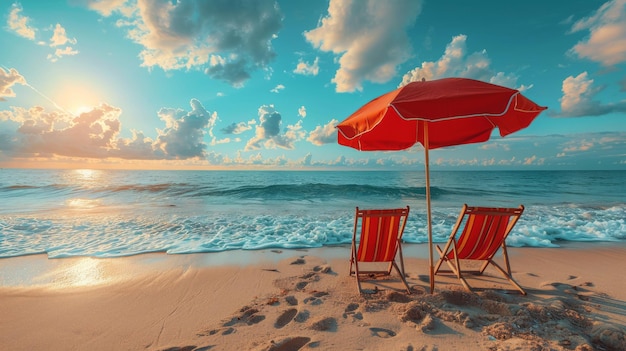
<point x="437" y="113"/>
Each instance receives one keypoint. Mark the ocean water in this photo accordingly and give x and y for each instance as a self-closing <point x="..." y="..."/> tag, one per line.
<point x="102" y="213"/>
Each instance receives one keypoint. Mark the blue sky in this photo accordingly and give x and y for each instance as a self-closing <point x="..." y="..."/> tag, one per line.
<point x="235" y="84"/>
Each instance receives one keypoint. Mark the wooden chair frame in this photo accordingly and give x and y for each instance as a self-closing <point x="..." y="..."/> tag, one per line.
<point x="378" y="243"/>
<point x="484" y="232"/>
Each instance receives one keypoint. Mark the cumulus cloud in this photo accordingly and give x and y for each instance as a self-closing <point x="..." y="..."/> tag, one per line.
<point x="302" y="111"/>
<point x="227" y="39"/>
<point x="606" y="42"/>
<point x="238" y="128"/>
<point x="325" y="134"/>
<point x="95" y="134"/>
<point x="308" y="69"/>
<point x="268" y="127"/>
<point x="19" y="23"/>
<point x="579" y="98"/>
<point x="7" y="80"/>
<point x="370" y="46"/>
<point x="42" y="133"/>
<point x="60" y="37"/>
<point x="268" y="131"/>
<point x="184" y="132"/>
<point x="456" y="62"/>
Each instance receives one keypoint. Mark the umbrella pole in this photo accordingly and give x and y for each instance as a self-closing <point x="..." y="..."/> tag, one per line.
<point x="428" y="212"/>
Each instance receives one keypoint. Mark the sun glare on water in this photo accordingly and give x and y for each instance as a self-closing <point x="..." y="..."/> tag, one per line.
<point x="85" y="178"/>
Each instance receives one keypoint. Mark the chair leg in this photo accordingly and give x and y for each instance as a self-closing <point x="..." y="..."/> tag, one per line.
<point x="406" y="285"/>
<point x="508" y="276"/>
<point x="454" y="267"/>
<point x="356" y="275"/>
<point x="441" y="260"/>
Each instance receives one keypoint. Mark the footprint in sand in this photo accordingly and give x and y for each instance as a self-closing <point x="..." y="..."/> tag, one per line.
<point x="285" y="317"/>
<point x="323" y="269"/>
<point x="248" y="316"/>
<point x="290" y="344"/>
<point x="291" y="300"/>
<point x="299" y="261"/>
<point x="320" y="293"/>
<point x="351" y="307"/>
<point x="308" y="275"/>
<point x="182" y="348"/>
<point x="351" y="311"/>
<point x="226" y="331"/>
<point x="255" y="319"/>
<point x="326" y="324"/>
<point x="382" y="333"/>
<point x="302" y="316"/>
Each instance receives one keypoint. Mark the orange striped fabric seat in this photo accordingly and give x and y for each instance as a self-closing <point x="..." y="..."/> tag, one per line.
<point x="484" y="232"/>
<point x="379" y="235"/>
<point x="379" y="241"/>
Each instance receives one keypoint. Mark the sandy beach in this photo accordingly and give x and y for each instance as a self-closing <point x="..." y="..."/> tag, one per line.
<point x="305" y="300"/>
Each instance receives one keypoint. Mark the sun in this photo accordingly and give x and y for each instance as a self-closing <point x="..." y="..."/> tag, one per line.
<point x="81" y="109"/>
<point x="77" y="98"/>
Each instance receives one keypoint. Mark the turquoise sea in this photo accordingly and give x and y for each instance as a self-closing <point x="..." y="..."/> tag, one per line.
<point x="110" y="213"/>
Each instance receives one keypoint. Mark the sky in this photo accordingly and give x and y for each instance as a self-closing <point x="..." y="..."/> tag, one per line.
<point x="261" y="84"/>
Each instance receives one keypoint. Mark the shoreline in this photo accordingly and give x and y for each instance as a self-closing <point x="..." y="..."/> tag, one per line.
<point x="278" y="299"/>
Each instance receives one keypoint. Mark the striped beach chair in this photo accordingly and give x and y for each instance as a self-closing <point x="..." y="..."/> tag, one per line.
<point x="484" y="232"/>
<point x="379" y="243"/>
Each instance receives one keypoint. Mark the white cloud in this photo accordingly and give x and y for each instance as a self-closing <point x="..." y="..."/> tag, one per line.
<point x="184" y="133"/>
<point x="302" y="111"/>
<point x="227" y="39"/>
<point x="278" y="88"/>
<point x="607" y="34"/>
<point x="7" y="80"/>
<point x="307" y="160"/>
<point x="91" y="134"/>
<point x="268" y="127"/>
<point x="325" y="134"/>
<point x="308" y="69"/>
<point x="94" y="134"/>
<point x="58" y="53"/>
<point x="19" y="23"/>
<point x="268" y="131"/>
<point x="237" y="128"/>
<point x="579" y="99"/>
<point x="60" y="37"/>
<point x="369" y="44"/>
<point x="456" y="62"/>
<point x="108" y="7"/>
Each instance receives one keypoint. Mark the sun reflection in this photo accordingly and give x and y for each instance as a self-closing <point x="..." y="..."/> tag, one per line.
<point x="84" y="272"/>
<point x="84" y="204"/>
<point x="87" y="174"/>
<point x="86" y="178"/>
<point x="78" y="272"/>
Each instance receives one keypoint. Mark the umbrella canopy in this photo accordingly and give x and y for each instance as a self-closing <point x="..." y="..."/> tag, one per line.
<point x="437" y="113"/>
